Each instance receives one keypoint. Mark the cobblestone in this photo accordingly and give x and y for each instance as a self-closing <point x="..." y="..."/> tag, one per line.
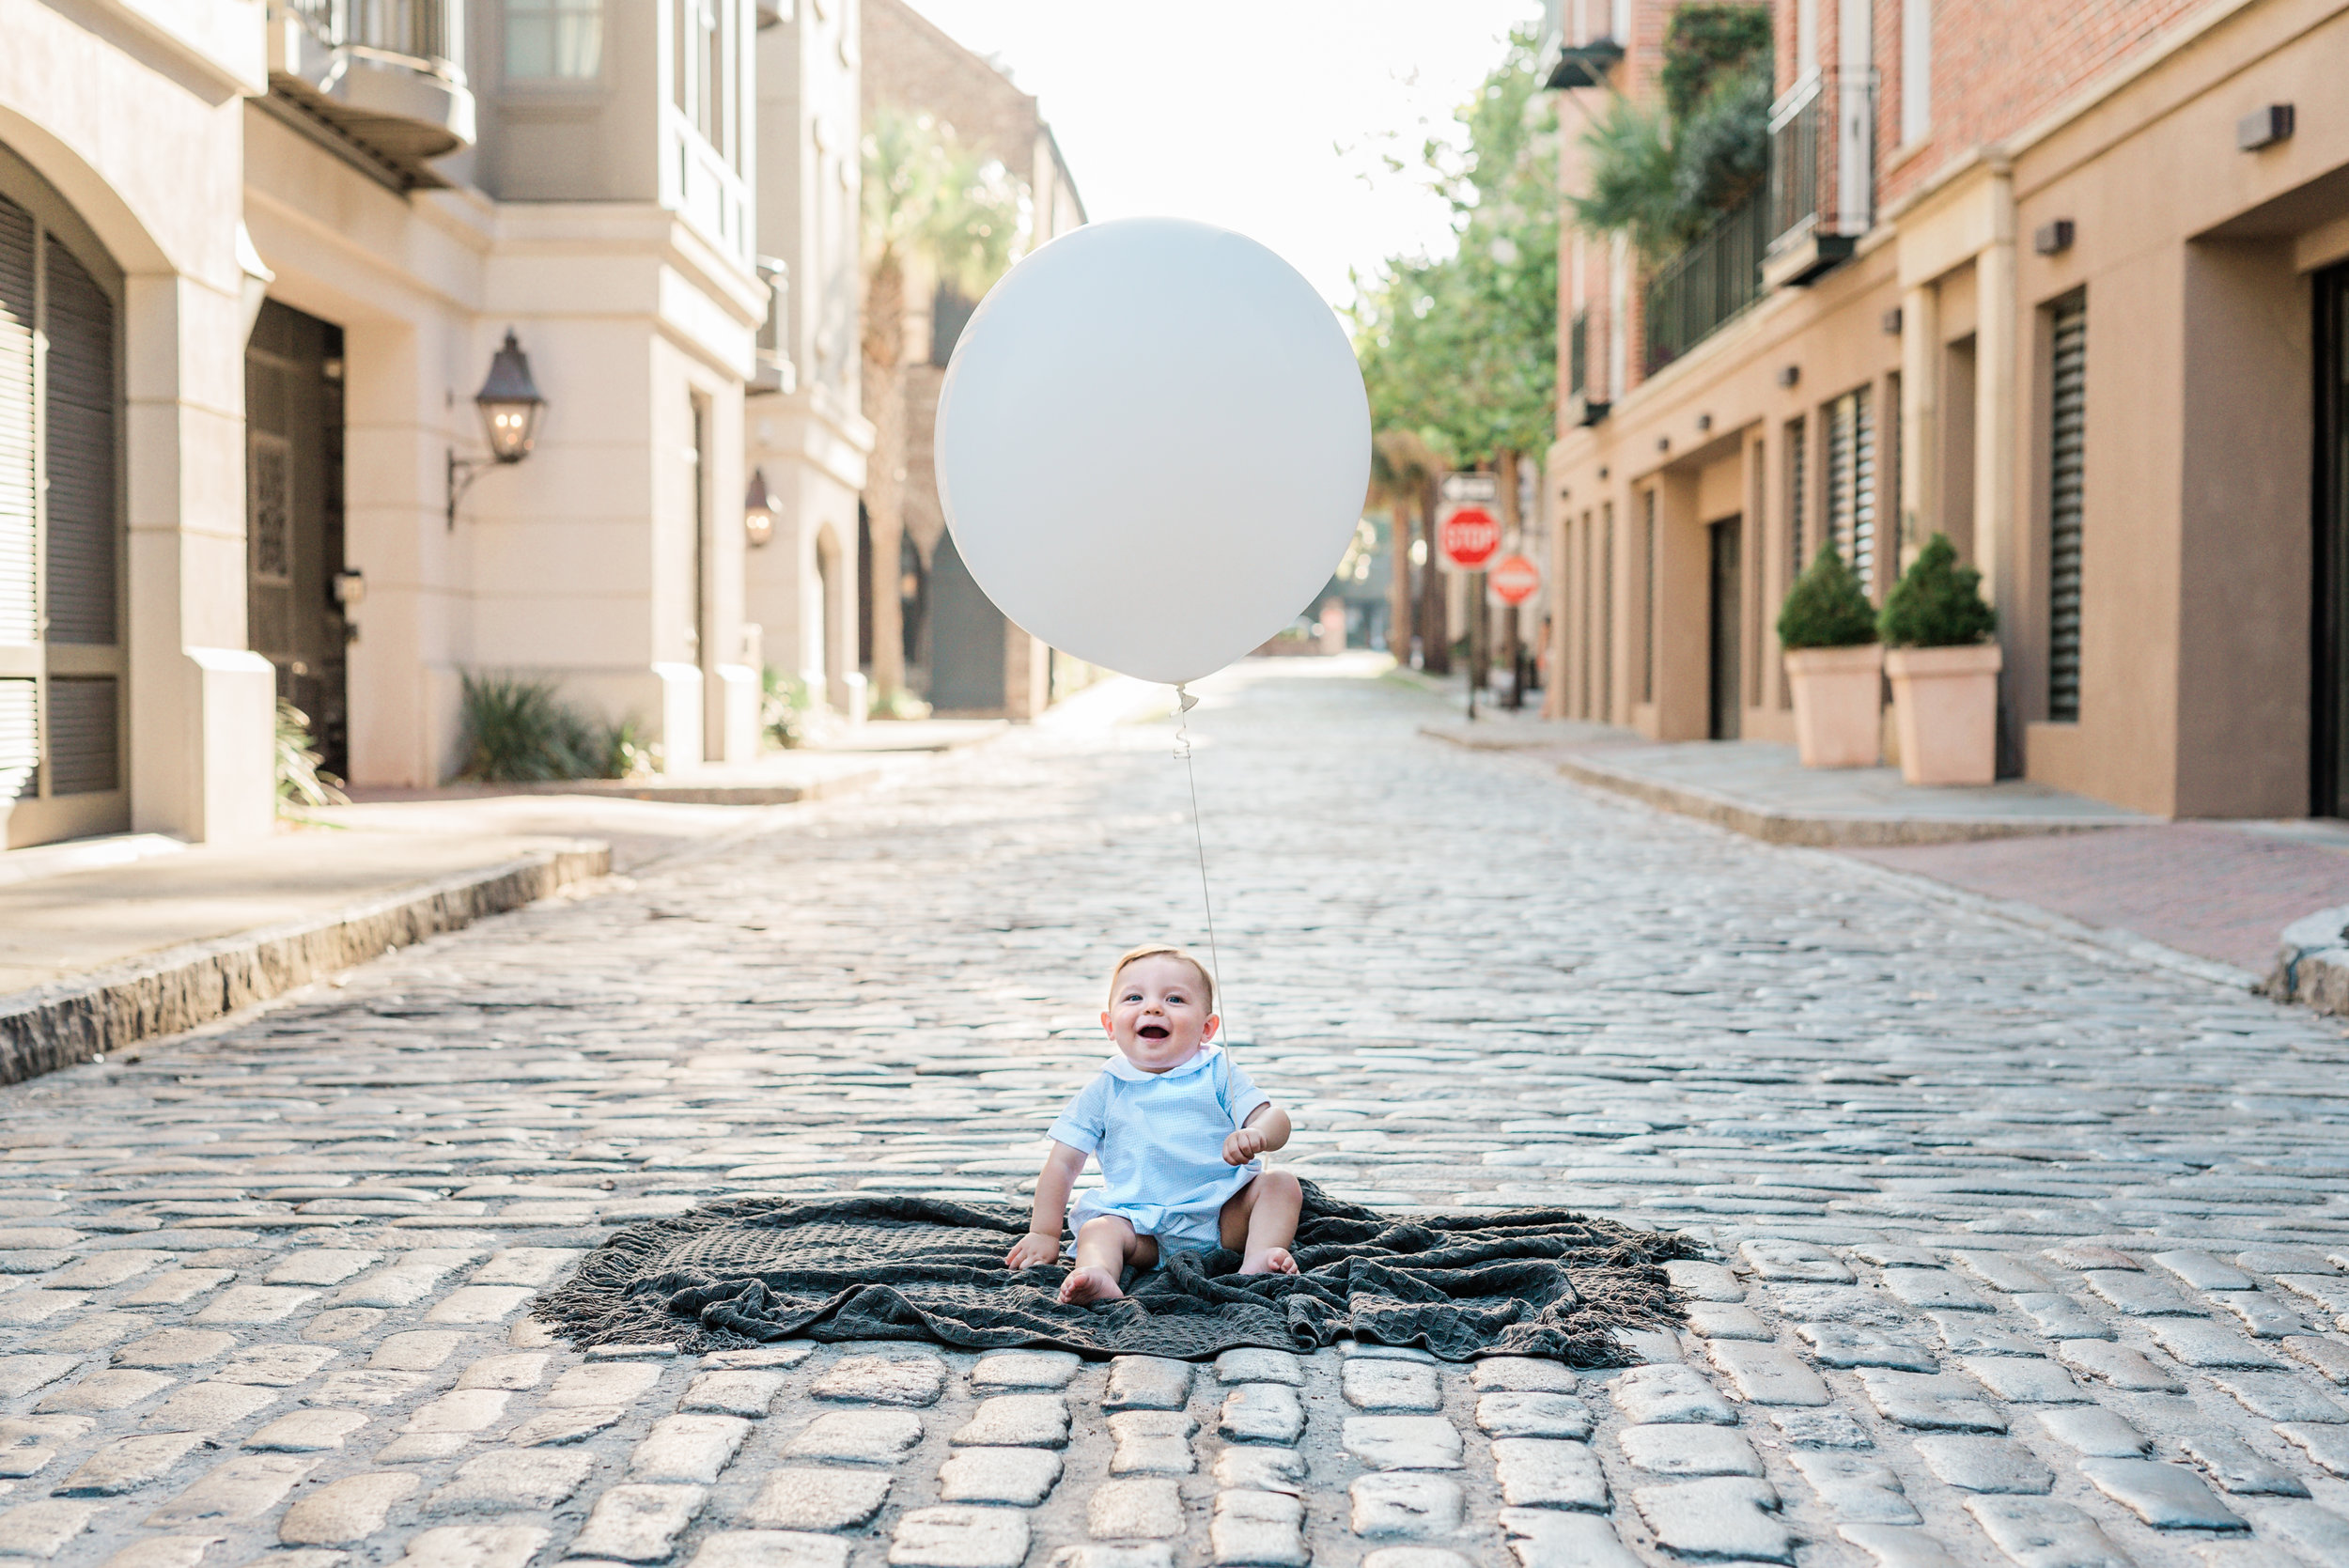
<point x="1951" y="1171"/>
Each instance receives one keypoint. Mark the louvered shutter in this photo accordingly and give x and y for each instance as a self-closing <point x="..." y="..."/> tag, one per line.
<point x="1863" y="490"/>
<point x="1837" y="476"/>
<point x="19" y="595"/>
<point x="80" y="449"/>
<point x="2067" y="410"/>
<point x="82" y="727"/>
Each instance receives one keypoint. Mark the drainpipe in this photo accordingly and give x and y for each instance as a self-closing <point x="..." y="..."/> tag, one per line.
<point x="1996" y="408"/>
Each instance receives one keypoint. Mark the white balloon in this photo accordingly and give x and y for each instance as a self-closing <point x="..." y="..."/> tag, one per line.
<point x="1153" y="445"/>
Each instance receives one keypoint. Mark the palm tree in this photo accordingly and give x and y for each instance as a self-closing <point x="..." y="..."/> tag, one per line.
<point x="1402" y="468"/>
<point x="933" y="205"/>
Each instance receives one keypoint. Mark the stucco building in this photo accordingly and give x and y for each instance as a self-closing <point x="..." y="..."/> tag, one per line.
<point x="256" y="262"/>
<point x="808" y="438"/>
<point x="2066" y="283"/>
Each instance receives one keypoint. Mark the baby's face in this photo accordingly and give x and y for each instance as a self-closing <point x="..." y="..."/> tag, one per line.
<point x="1157" y="1015"/>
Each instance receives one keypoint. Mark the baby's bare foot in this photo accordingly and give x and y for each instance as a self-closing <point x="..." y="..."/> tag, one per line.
<point x="1095" y="1285"/>
<point x="1272" y="1259"/>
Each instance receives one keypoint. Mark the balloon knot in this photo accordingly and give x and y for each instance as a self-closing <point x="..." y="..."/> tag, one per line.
<point x="1184" y="701"/>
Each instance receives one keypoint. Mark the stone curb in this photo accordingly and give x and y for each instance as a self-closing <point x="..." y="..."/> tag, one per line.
<point x="70" y="1021"/>
<point x="2312" y="963"/>
<point x="1813" y="831"/>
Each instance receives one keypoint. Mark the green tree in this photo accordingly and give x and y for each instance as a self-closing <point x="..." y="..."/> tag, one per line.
<point x="935" y="205"/>
<point x="1664" y="172"/>
<point x="1460" y="352"/>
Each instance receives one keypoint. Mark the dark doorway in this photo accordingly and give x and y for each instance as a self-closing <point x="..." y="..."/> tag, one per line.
<point x="2328" y="730"/>
<point x="966" y="637"/>
<point x="1722" y="698"/>
<point x="293" y="415"/>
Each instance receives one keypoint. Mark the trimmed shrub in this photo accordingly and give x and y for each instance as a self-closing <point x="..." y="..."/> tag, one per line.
<point x="1826" y="607"/>
<point x="524" y="732"/>
<point x="1936" y="603"/>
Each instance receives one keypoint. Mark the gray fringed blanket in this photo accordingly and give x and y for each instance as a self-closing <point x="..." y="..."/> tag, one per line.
<point x="1547" y="1282"/>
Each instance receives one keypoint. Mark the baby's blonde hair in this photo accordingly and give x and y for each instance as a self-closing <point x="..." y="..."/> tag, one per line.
<point x="1163" y="950"/>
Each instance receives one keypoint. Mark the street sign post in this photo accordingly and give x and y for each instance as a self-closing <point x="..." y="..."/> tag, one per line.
<point x="1468" y="534"/>
<point x="1514" y="580"/>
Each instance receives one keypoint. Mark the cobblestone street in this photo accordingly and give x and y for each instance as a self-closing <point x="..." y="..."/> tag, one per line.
<point x="2023" y="1253"/>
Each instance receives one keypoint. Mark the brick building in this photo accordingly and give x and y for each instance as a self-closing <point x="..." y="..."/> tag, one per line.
<point x="958" y="650"/>
<point x="2065" y="282"/>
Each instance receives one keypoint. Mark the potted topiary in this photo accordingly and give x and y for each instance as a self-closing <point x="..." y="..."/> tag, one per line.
<point x="1944" y="669"/>
<point x="1828" y="630"/>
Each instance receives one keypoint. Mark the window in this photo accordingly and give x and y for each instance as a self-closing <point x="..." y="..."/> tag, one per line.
<point x="61" y="656"/>
<point x="554" y="41"/>
<point x="1797" y="498"/>
<point x="1647" y="598"/>
<point x="1851" y="483"/>
<point x="1915" y="71"/>
<point x="699" y="69"/>
<point x="2067" y="431"/>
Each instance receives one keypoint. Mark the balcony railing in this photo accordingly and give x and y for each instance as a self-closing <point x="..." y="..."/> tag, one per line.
<point x="1694" y="293"/>
<point x="389" y="75"/>
<point x="1822" y="192"/>
<point x="416" y="32"/>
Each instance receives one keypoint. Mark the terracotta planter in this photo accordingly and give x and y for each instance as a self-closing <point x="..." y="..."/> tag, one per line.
<point x="1839" y="700"/>
<point x="1945" y="703"/>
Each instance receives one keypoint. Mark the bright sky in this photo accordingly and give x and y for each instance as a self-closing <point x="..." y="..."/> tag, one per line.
<point x="1269" y="117"/>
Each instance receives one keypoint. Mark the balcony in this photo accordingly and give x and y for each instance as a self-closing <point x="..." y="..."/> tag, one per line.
<point x="387" y="76"/>
<point x="775" y="372"/>
<point x="1695" y="294"/>
<point x="1821" y="196"/>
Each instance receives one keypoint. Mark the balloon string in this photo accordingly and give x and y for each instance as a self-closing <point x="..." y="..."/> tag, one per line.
<point x="1185" y="702"/>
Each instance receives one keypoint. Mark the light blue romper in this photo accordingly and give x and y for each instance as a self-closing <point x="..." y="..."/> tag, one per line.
<point x="1160" y="1141"/>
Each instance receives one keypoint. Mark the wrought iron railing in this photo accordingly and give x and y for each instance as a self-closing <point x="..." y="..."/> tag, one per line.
<point x="1822" y="157"/>
<point x="1694" y="293"/>
<point x="427" y="34"/>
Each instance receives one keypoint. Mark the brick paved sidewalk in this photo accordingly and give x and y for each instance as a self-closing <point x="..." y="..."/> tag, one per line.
<point x="2024" y="1255"/>
<point x="2222" y="892"/>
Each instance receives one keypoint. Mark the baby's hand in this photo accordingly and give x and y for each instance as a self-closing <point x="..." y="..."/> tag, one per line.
<point x="1243" y="1146"/>
<point x="1033" y="1251"/>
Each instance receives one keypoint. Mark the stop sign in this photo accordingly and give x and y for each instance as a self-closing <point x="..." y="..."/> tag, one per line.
<point x="1469" y="536"/>
<point x="1514" y="580"/>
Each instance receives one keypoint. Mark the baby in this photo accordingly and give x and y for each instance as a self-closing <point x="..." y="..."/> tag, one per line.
<point x="1177" y="1128"/>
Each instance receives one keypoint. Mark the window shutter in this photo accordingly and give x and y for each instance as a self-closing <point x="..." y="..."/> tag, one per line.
<point x="1863" y="490"/>
<point x="1838" y="476"/>
<point x="80" y="447"/>
<point x="17" y="593"/>
<point x="82" y="732"/>
<point x="2067" y="409"/>
<point x="20" y="739"/>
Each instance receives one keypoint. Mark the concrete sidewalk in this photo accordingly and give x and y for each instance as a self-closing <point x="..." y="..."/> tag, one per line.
<point x="2217" y="891"/>
<point x="108" y="941"/>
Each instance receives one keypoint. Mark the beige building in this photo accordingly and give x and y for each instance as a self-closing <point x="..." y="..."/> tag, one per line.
<point x="2068" y="286"/>
<point x="256" y="262"/>
<point x="808" y="439"/>
<point x="128" y="698"/>
<point x="577" y="172"/>
<point x="957" y="650"/>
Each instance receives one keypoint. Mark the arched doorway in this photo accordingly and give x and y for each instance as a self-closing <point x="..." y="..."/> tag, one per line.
<point x="63" y="666"/>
